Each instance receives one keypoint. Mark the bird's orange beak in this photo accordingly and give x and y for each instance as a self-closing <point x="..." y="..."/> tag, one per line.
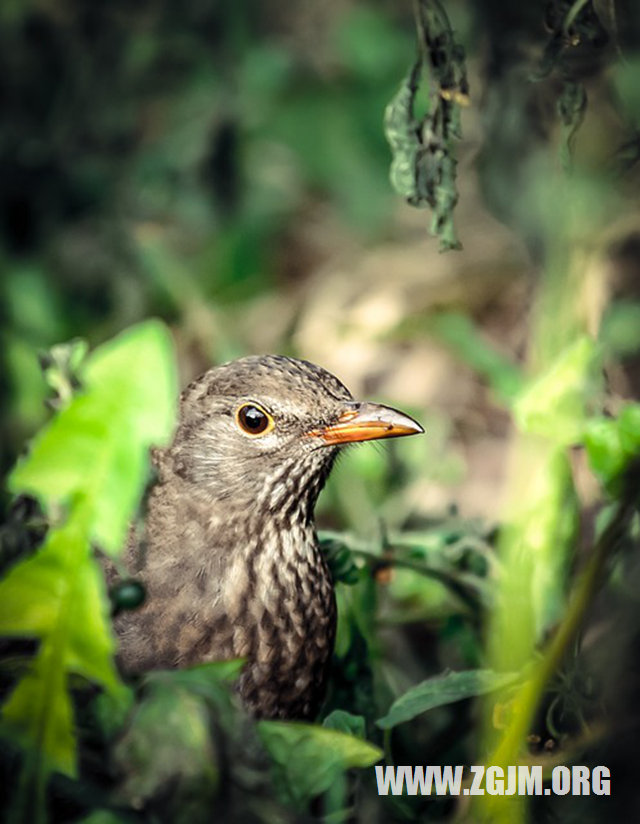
<point x="367" y="422"/>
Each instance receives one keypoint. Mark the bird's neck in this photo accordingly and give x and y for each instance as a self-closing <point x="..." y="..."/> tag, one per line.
<point x="254" y="549"/>
<point x="237" y="582"/>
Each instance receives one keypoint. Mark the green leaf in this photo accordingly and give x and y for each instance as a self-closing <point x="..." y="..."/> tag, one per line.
<point x="87" y="467"/>
<point x="105" y="817"/>
<point x="66" y="607"/>
<point x="343" y="721"/>
<point x="339" y="558"/>
<point x="611" y="443"/>
<point x="38" y="712"/>
<point x="60" y="592"/>
<point x="625" y="78"/>
<point x="604" y="450"/>
<point x="629" y="427"/>
<point x="97" y="446"/>
<point x="443" y="689"/>
<point x="308" y="759"/>
<point x="183" y="722"/>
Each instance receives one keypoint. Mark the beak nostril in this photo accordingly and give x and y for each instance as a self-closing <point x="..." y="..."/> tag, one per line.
<point x="348" y="415"/>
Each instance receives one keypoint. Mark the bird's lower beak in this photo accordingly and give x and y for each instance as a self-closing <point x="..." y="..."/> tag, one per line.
<point x="367" y="422"/>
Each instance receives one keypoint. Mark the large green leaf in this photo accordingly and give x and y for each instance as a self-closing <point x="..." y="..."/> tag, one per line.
<point x="443" y="689"/>
<point x="96" y="447"/>
<point x="87" y="468"/>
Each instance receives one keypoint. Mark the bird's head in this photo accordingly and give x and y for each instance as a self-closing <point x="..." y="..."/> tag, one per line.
<point x="264" y="431"/>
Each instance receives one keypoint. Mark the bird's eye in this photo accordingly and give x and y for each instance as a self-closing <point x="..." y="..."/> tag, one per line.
<point x="253" y="420"/>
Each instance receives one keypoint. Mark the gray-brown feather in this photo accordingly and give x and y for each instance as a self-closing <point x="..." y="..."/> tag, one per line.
<point x="229" y="556"/>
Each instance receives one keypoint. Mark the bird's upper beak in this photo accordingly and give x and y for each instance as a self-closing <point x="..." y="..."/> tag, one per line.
<point x="367" y="422"/>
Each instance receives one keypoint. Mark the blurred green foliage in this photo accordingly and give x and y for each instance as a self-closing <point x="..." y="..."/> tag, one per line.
<point x="460" y="334"/>
<point x="199" y="124"/>
<point x="613" y="444"/>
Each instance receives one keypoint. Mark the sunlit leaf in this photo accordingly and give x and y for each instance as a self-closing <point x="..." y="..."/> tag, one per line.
<point x="97" y="446"/>
<point x="60" y="591"/>
<point x="87" y="468"/>
<point x="602" y="441"/>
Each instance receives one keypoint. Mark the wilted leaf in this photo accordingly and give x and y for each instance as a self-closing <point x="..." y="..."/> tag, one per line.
<point x="441" y="690"/>
<point x="61" y="367"/>
<point x="423" y="167"/>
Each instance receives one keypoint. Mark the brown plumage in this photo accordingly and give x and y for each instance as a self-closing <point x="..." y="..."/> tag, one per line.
<point x="229" y="558"/>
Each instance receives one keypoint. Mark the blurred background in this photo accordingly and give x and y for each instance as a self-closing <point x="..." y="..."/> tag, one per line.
<point x="226" y="169"/>
<point x="223" y="166"/>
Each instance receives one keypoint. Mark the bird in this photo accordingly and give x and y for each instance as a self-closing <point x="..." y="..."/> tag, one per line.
<point x="229" y="557"/>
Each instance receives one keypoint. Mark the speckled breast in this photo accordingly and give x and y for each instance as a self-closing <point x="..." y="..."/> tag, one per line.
<point x="289" y="646"/>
